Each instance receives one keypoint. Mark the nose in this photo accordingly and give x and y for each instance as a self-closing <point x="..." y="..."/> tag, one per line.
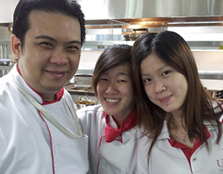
<point x="159" y="87"/>
<point x="59" y="57"/>
<point x="111" y="88"/>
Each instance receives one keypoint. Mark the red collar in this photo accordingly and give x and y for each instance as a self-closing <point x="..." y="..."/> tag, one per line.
<point x="111" y="133"/>
<point x="188" y="152"/>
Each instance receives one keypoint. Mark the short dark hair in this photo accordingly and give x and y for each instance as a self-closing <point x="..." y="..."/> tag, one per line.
<point x="112" y="56"/>
<point x="21" y="23"/>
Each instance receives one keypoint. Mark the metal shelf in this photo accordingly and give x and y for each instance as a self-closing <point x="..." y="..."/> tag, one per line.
<point x="211" y="75"/>
<point x="5" y="67"/>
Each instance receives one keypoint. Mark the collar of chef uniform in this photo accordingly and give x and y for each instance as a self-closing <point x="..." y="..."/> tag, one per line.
<point x="58" y="95"/>
<point x="111" y="133"/>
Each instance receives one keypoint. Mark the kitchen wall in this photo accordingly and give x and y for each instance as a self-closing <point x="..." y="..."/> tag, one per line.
<point x="4" y="34"/>
<point x="89" y="58"/>
<point x="209" y="62"/>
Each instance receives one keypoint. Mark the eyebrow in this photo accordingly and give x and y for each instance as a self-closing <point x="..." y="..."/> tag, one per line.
<point x="162" y="67"/>
<point x="119" y="73"/>
<point x="52" y="39"/>
<point x="123" y="73"/>
<point x="157" y="70"/>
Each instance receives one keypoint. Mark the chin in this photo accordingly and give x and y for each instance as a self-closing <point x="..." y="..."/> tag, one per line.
<point x="53" y="88"/>
<point x="109" y="112"/>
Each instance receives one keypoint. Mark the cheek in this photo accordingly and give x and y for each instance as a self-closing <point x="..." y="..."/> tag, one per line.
<point x="74" y="62"/>
<point x="99" y="89"/>
<point x="127" y="89"/>
<point x="182" y="87"/>
<point x="184" y="90"/>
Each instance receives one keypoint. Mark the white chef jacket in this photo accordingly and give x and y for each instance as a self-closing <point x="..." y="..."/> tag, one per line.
<point x="108" y="158"/>
<point x="166" y="159"/>
<point x="30" y="144"/>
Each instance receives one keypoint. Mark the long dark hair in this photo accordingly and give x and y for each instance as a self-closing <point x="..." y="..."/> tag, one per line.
<point x="172" y="49"/>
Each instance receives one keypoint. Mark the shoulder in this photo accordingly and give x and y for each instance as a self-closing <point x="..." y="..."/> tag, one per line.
<point x="7" y="91"/>
<point x="67" y="95"/>
<point x="91" y="119"/>
<point x="4" y="81"/>
<point x="90" y="112"/>
<point x="89" y="109"/>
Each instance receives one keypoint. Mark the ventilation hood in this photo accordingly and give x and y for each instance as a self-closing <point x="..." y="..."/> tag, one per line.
<point x="192" y="12"/>
<point x="197" y="16"/>
<point x="167" y="10"/>
<point x="202" y="18"/>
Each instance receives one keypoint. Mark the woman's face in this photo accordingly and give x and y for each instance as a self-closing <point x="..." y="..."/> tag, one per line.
<point x="164" y="86"/>
<point x="115" y="91"/>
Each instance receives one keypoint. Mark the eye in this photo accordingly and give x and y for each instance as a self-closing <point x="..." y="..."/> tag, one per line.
<point x="46" y="44"/>
<point x="121" y="81"/>
<point x="103" y="79"/>
<point x="73" y="48"/>
<point x="166" y="73"/>
<point x="147" y="81"/>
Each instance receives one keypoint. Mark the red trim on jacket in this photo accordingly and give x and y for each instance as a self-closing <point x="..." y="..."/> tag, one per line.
<point x="51" y="142"/>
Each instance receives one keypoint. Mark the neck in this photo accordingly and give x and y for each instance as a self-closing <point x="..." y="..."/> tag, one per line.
<point x="178" y="131"/>
<point x="176" y="121"/>
<point x="119" y="120"/>
<point x="177" y="118"/>
<point x="49" y="98"/>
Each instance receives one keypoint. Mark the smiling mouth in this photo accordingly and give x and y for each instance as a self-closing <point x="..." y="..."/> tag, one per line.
<point x="165" y="99"/>
<point x="112" y="100"/>
<point x="57" y="74"/>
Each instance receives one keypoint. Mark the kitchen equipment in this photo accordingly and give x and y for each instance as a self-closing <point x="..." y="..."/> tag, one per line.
<point x="219" y="94"/>
<point x="126" y="37"/>
<point x="137" y="33"/>
<point x="134" y="36"/>
<point x="82" y="80"/>
<point x="83" y="102"/>
<point x="5" y="62"/>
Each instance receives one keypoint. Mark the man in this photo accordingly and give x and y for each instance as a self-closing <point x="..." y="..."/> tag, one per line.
<point x="39" y="132"/>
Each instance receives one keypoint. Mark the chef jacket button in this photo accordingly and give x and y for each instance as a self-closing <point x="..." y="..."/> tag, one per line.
<point x="128" y="144"/>
<point x="62" y="107"/>
<point x="72" y="145"/>
<point x="56" y="148"/>
<point x="194" y="160"/>
<point x="132" y="132"/>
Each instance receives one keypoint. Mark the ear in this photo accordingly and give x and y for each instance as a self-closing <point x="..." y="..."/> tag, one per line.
<point x="16" y="46"/>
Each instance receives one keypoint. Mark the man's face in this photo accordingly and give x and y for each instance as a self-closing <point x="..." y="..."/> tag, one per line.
<point x="51" y="51"/>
